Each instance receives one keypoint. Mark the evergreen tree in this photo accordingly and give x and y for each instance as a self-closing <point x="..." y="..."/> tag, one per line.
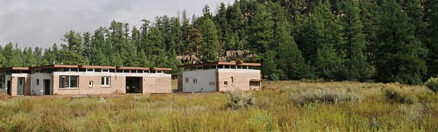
<point x="356" y="61"/>
<point x="433" y="39"/>
<point x="399" y="52"/>
<point x="209" y="47"/>
<point x="261" y="30"/>
<point x="327" y="32"/>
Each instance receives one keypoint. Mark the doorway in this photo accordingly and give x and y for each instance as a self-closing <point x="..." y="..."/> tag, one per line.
<point x="9" y="87"/>
<point x="47" y="87"/>
<point x="134" y="85"/>
<point x="20" y="86"/>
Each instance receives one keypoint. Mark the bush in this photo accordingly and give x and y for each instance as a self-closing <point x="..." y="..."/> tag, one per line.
<point x="432" y="84"/>
<point x="395" y="96"/>
<point x="4" y="96"/>
<point x="328" y="96"/>
<point x="239" y="99"/>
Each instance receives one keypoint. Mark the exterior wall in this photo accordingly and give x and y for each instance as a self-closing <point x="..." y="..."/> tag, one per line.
<point x="157" y="83"/>
<point x="14" y="83"/>
<point x="39" y="89"/>
<point x="152" y="83"/>
<point x="240" y="81"/>
<point x="206" y="81"/>
<point x="4" y="89"/>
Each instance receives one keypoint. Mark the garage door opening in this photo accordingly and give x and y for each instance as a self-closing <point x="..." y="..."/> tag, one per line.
<point x="134" y="85"/>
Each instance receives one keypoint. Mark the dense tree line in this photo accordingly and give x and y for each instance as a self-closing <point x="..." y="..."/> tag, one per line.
<point x="359" y="40"/>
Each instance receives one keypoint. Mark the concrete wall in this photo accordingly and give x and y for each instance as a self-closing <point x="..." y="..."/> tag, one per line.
<point x="157" y="83"/>
<point x="240" y="81"/>
<point x="14" y="83"/>
<point x="4" y="89"/>
<point x="38" y="89"/>
<point x="206" y="81"/>
<point x="152" y="83"/>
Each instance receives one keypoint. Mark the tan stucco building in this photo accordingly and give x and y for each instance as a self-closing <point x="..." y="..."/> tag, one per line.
<point x="83" y="80"/>
<point x="220" y="77"/>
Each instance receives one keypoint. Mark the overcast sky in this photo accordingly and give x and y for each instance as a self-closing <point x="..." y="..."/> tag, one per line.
<point x="43" y="22"/>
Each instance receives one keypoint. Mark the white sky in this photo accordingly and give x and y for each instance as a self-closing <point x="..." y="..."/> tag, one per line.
<point x="41" y="23"/>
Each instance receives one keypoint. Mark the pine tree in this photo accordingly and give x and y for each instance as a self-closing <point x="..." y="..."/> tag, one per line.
<point x="356" y="61"/>
<point x="399" y="52"/>
<point x="156" y="48"/>
<point x="261" y="30"/>
<point x="269" y="66"/>
<point x="433" y="39"/>
<point x="116" y="60"/>
<point x="209" y="47"/>
<point x="290" y="59"/>
<point x="327" y="42"/>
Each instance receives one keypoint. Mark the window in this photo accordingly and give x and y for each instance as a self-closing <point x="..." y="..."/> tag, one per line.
<point x="225" y="83"/>
<point x="187" y="80"/>
<point x="232" y="80"/>
<point x="90" y="83"/>
<point x="38" y="82"/>
<point x="68" y="81"/>
<point x="106" y="81"/>
<point x="195" y="80"/>
<point x="90" y="70"/>
<point x="254" y="83"/>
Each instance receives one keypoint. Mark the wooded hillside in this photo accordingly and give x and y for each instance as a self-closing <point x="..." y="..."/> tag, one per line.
<point x="381" y="40"/>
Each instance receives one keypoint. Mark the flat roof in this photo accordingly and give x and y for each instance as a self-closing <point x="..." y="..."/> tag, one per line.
<point x="45" y="67"/>
<point x="14" y="69"/>
<point x="219" y="63"/>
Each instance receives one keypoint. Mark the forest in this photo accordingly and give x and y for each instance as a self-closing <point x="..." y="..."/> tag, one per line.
<point x="357" y="40"/>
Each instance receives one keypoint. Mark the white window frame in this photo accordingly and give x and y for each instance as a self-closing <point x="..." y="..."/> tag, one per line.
<point x="106" y="81"/>
<point x="68" y="81"/>
<point x="90" y="83"/>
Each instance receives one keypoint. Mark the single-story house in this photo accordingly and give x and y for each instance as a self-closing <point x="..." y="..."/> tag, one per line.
<point x="83" y="80"/>
<point x="220" y="77"/>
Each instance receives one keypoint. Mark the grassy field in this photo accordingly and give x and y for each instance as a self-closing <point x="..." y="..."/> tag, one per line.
<point x="283" y="106"/>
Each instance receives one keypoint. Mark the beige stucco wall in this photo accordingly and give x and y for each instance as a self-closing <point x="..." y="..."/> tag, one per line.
<point x="241" y="79"/>
<point x="152" y="83"/>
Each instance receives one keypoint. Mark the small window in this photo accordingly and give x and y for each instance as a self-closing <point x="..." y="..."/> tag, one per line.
<point x="225" y="83"/>
<point x="90" y="70"/>
<point x="195" y="80"/>
<point x="105" y="70"/>
<point x="187" y="80"/>
<point x="254" y="83"/>
<point x="106" y="81"/>
<point x="232" y="80"/>
<point x="90" y="83"/>
<point x="38" y="82"/>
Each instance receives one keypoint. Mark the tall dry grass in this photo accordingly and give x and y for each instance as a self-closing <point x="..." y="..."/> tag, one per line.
<point x="273" y="111"/>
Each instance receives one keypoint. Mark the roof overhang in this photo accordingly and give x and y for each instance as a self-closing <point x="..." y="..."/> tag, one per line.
<point x="14" y="69"/>
<point x="97" y="67"/>
<point x="219" y="64"/>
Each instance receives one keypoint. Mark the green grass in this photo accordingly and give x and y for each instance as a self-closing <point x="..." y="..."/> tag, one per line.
<point x="275" y="110"/>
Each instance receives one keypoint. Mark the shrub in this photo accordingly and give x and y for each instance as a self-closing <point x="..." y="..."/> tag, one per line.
<point x="4" y="96"/>
<point x="324" y="96"/>
<point x="239" y="99"/>
<point x="395" y="96"/>
<point x="432" y="84"/>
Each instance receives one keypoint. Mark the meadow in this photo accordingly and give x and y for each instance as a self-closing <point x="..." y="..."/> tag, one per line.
<point x="281" y="106"/>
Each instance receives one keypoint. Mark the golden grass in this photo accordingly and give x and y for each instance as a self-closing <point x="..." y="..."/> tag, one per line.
<point x="274" y="111"/>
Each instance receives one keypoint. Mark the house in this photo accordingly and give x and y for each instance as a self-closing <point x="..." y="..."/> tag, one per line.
<point x="220" y="76"/>
<point x="83" y="80"/>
